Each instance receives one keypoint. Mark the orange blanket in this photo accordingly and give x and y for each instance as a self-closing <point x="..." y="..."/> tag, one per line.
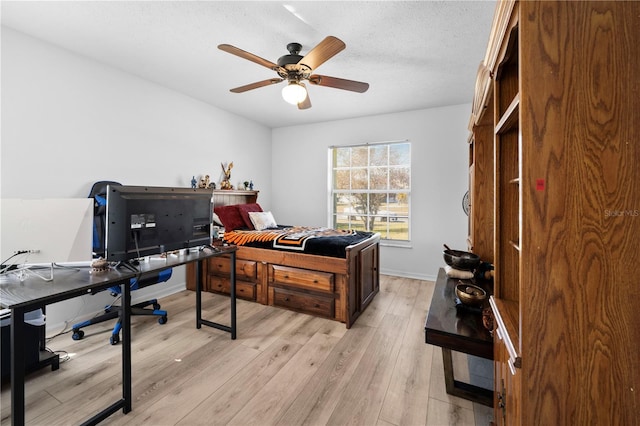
<point x="240" y="237"/>
<point x="291" y="237"/>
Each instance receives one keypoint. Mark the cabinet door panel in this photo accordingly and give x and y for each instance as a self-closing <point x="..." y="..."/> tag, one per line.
<point x="368" y="262"/>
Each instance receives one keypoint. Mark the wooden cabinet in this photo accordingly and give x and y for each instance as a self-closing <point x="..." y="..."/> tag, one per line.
<point x="481" y="219"/>
<point x="302" y="290"/>
<point x="247" y="273"/>
<point x="481" y="168"/>
<point x="336" y="288"/>
<point x="507" y="365"/>
<point x="507" y="383"/>
<point x="562" y="95"/>
<point x="368" y="277"/>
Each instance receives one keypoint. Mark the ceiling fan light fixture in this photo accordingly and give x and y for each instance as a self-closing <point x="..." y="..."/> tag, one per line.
<point x="294" y="93"/>
<point x="297" y="70"/>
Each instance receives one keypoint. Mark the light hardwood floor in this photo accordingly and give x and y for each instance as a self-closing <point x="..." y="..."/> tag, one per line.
<point x="284" y="368"/>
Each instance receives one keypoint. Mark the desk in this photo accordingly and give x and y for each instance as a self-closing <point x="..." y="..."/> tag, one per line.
<point x="33" y="293"/>
<point x="459" y="331"/>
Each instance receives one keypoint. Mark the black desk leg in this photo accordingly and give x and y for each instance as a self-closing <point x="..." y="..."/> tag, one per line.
<point x="199" y="294"/>
<point x="17" y="366"/>
<point x="232" y="277"/>
<point x="126" y="347"/>
<point x="125" y="320"/>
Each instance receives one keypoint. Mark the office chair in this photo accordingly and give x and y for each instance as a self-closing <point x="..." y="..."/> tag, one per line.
<point x="99" y="194"/>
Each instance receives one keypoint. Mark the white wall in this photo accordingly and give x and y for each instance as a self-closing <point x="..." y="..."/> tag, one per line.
<point x="439" y="178"/>
<point x="68" y="121"/>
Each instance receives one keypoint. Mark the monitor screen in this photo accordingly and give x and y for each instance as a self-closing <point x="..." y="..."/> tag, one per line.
<point x="45" y="231"/>
<point x="145" y="220"/>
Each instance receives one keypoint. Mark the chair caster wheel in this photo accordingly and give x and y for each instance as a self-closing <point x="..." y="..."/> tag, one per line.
<point x="162" y="320"/>
<point x="114" y="339"/>
<point x="77" y="335"/>
<point x="156" y="306"/>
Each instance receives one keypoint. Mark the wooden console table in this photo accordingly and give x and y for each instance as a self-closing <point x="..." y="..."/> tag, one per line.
<point x="460" y="331"/>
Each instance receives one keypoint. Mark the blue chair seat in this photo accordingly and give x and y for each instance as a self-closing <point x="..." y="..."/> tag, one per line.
<point x="113" y="311"/>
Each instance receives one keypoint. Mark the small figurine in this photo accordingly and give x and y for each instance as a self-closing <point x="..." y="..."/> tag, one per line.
<point x="246" y="184"/>
<point x="193" y="182"/>
<point x="204" y="182"/>
<point x="226" y="182"/>
<point x="251" y="185"/>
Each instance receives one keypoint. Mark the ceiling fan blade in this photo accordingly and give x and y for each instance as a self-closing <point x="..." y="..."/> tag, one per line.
<point x="324" y="51"/>
<point x="249" y="56"/>
<point x="306" y="104"/>
<point x="256" y="85"/>
<point x="338" y="83"/>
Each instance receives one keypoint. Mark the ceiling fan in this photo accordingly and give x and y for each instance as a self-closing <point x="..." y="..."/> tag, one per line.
<point x="297" y="69"/>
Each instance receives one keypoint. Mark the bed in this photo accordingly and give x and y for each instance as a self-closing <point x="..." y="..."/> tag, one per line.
<point x="337" y="282"/>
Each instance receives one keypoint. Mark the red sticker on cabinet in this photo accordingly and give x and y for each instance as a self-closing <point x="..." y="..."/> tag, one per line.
<point x="539" y="184"/>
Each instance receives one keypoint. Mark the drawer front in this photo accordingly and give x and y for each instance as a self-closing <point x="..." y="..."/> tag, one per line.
<point x="303" y="278"/>
<point x="244" y="290"/>
<point x="245" y="269"/>
<point x="308" y="303"/>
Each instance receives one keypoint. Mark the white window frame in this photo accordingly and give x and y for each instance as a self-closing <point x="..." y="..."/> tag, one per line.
<point x="331" y="191"/>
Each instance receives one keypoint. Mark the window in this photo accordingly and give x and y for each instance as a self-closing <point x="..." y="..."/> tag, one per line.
<point x="371" y="188"/>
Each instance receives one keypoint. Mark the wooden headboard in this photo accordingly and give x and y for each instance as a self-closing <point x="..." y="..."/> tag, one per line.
<point x="223" y="197"/>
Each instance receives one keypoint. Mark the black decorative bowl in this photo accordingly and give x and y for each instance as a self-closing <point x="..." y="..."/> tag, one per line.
<point x="463" y="260"/>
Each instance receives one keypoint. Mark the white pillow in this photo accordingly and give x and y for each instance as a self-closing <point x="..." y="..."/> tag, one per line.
<point x="216" y="219"/>
<point x="262" y="220"/>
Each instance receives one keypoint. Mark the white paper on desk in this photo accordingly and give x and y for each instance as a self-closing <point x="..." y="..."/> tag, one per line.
<point x="36" y="318"/>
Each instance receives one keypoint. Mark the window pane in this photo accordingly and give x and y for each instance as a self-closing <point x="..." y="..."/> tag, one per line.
<point x="341" y="222"/>
<point x="390" y="229"/>
<point x="340" y="203"/>
<point x="341" y="179"/>
<point x="378" y="177"/>
<point x="358" y="226"/>
<point x="399" y="154"/>
<point x="378" y="155"/>
<point x="376" y="203"/>
<point x="359" y="156"/>
<point x="342" y="157"/>
<point x="359" y="179"/>
<point x="359" y="204"/>
<point x="399" y="178"/>
<point x="399" y="204"/>
<point x="380" y="226"/>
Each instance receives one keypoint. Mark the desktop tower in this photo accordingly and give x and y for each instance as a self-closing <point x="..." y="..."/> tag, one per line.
<point x="33" y="340"/>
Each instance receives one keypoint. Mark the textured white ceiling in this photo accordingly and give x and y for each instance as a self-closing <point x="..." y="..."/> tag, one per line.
<point x="414" y="54"/>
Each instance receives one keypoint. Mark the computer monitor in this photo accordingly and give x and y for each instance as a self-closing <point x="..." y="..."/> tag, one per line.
<point x="145" y="220"/>
<point x="45" y="231"/>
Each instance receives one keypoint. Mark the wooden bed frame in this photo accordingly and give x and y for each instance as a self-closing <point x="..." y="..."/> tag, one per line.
<point x="336" y="288"/>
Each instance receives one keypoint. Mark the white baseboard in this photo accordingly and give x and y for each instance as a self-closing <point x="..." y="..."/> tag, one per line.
<point x="425" y="277"/>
